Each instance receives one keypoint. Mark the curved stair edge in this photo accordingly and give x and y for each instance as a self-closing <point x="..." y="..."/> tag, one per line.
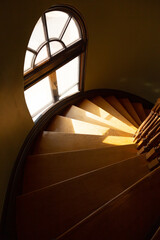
<point x="8" y="224"/>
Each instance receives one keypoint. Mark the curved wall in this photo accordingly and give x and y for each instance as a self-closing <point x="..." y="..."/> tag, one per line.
<point x="123" y="53"/>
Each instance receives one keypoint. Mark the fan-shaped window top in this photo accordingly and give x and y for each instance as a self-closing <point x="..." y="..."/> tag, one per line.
<point x="54" y="58"/>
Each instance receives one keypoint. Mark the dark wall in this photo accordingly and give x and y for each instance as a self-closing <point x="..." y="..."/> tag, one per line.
<point x="123" y="53"/>
<point x="124" y="40"/>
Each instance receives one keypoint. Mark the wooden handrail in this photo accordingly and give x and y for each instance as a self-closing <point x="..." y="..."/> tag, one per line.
<point x="150" y="135"/>
<point x="154" y="112"/>
<point x="147" y="137"/>
<point x="154" y="152"/>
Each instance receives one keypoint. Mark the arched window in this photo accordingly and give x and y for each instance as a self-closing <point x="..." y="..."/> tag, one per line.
<point x="54" y="60"/>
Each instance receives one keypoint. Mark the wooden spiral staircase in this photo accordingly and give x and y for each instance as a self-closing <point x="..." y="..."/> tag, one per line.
<point x="87" y="173"/>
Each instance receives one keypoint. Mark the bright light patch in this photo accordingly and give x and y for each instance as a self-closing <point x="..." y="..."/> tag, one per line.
<point x="28" y="60"/>
<point x="55" y="47"/>
<point x="42" y="55"/>
<point x="72" y="33"/>
<point x="37" y="37"/>
<point x="70" y="92"/>
<point x="38" y="97"/>
<point x="53" y="33"/>
<point x="68" y="76"/>
<point x="55" y="23"/>
<point x="118" y="140"/>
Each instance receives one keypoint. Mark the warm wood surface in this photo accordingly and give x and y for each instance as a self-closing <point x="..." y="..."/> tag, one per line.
<point x="69" y="125"/>
<point x="140" y="110"/>
<point x="102" y="103"/>
<point x="145" y="123"/>
<point x="130" y="109"/>
<point x="59" y="142"/>
<point x="79" y="166"/>
<point x="153" y="164"/>
<point x="93" y="108"/>
<point x="147" y="111"/>
<point x="119" y="107"/>
<point x="132" y="215"/>
<point x="46" y="169"/>
<point x="154" y="152"/>
<point x="49" y="212"/>
<point x="82" y="115"/>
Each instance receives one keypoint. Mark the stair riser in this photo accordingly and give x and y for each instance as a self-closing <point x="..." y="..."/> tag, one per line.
<point x="43" y="170"/>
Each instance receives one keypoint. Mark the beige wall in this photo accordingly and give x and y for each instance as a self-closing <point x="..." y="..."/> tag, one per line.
<point x="123" y="53"/>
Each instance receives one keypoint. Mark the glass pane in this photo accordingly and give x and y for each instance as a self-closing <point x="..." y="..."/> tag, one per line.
<point x="55" y="23"/>
<point x="38" y="97"/>
<point x="43" y="111"/>
<point x="55" y="47"/>
<point x="42" y="55"/>
<point x="68" y="76"/>
<point x="70" y="92"/>
<point x="28" y="60"/>
<point x="37" y="37"/>
<point x="72" y="33"/>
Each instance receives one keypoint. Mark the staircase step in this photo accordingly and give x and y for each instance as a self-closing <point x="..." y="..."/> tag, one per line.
<point x="69" y="125"/>
<point x="46" y="169"/>
<point x="93" y="108"/>
<point x="147" y="111"/>
<point x="119" y="107"/>
<point x="140" y="110"/>
<point x="50" y="142"/>
<point x="130" y="109"/>
<point x="102" y="103"/>
<point x="49" y="212"/>
<point x="82" y="115"/>
<point x="133" y="214"/>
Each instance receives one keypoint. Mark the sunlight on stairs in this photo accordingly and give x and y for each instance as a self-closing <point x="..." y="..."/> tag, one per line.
<point x="85" y="178"/>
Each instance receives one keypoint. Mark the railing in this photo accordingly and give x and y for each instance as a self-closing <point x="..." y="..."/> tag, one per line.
<point x="147" y="137"/>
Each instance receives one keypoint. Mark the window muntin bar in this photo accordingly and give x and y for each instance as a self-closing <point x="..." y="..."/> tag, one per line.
<point x="56" y="58"/>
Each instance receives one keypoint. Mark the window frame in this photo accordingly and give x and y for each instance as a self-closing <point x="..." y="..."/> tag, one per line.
<point x="69" y="53"/>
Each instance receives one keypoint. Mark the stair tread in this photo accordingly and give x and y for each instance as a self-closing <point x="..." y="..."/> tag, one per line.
<point x="69" y="202"/>
<point x="119" y="107"/>
<point x="130" y="109"/>
<point x="69" y="125"/>
<point x="133" y="213"/>
<point x="140" y="110"/>
<point x="93" y="108"/>
<point x="80" y="114"/>
<point x="46" y="169"/>
<point x="147" y="111"/>
<point x="101" y="102"/>
<point x="57" y="142"/>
